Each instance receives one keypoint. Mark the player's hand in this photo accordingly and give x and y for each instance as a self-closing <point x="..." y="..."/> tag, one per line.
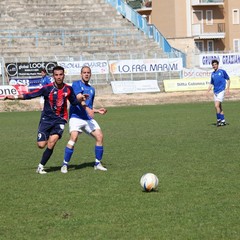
<point x="10" y="97"/>
<point x="227" y="92"/>
<point x="85" y="96"/>
<point x="82" y="97"/>
<point x="102" y="110"/>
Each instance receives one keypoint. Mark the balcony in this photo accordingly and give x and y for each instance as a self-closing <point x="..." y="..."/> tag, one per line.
<point x="207" y="2"/>
<point x="139" y="4"/>
<point x="204" y="31"/>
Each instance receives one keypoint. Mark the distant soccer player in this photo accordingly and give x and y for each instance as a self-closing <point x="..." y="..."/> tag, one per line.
<point x="45" y="80"/>
<point x="219" y="81"/>
<point x="81" y="121"/>
<point x="54" y="115"/>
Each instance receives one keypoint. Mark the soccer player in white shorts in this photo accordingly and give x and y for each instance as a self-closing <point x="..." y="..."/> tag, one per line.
<point x="219" y="81"/>
<point x="82" y="120"/>
<point x="80" y="125"/>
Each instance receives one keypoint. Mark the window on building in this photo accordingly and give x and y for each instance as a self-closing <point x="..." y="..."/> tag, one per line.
<point x="236" y="45"/>
<point x="209" y="17"/>
<point x="199" y="46"/>
<point x="210" y="46"/>
<point x="235" y="16"/>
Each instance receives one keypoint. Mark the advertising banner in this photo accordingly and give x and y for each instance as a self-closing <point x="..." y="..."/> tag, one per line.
<point x="11" y="90"/>
<point x="74" y="67"/>
<point x="194" y="84"/>
<point x="140" y="86"/>
<point x="196" y="73"/>
<point x="30" y="83"/>
<point x="229" y="59"/>
<point x="28" y="69"/>
<point x="146" y="65"/>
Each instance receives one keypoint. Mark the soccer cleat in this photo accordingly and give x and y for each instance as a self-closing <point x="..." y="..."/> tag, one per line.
<point x="223" y="124"/>
<point x="64" y="169"/>
<point x="40" y="170"/>
<point x="100" y="167"/>
<point x="219" y="123"/>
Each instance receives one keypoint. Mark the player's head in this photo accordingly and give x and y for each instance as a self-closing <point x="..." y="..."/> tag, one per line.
<point x="43" y="72"/>
<point x="58" y="75"/>
<point x="86" y="73"/>
<point x="215" y="64"/>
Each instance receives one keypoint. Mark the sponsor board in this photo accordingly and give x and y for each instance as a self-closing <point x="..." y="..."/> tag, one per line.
<point x="31" y="83"/>
<point x="28" y="69"/>
<point x="228" y="59"/>
<point x="8" y="90"/>
<point x="140" y="86"/>
<point x="74" y="67"/>
<point x="194" y="84"/>
<point x="146" y="65"/>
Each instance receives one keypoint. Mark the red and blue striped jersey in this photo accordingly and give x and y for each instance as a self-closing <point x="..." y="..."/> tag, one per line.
<point x="55" y="104"/>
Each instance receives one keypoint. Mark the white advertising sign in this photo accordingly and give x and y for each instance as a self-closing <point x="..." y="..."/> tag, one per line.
<point x="196" y="73"/>
<point x="140" y="86"/>
<point x="229" y="59"/>
<point x="146" y="65"/>
<point x="7" y="90"/>
<point x="74" y="67"/>
<point x="190" y="84"/>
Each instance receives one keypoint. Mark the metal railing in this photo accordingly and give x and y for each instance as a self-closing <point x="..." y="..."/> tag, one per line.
<point x="217" y="29"/>
<point x="194" y="2"/>
<point x="149" y="30"/>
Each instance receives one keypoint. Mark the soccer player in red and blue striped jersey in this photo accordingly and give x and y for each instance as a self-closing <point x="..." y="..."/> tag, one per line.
<point x="54" y="114"/>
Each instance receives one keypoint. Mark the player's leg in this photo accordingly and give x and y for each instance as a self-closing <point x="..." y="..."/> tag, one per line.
<point x="47" y="153"/>
<point x="97" y="133"/>
<point x="219" y="111"/>
<point x="75" y="126"/>
<point x="48" y="135"/>
<point x="223" y="122"/>
<point x="69" y="149"/>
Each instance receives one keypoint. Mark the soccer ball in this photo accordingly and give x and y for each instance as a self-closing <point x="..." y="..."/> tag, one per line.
<point x="149" y="182"/>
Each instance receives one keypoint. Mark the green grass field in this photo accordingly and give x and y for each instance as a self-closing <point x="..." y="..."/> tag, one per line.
<point x="198" y="166"/>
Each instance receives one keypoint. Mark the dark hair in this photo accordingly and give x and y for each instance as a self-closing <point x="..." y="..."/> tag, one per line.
<point x="56" y="68"/>
<point x="43" y="70"/>
<point x="215" y="61"/>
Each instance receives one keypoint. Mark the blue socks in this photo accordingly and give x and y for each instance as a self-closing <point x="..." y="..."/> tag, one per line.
<point x="98" y="152"/>
<point x="220" y="117"/>
<point x="67" y="155"/>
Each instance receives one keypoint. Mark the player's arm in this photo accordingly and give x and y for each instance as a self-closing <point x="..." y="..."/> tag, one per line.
<point x="228" y="86"/>
<point x="88" y="109"/>
<point x="209" y="87"/>
<point x="14" y="97"/>
<point x="29" y="95"/>
<point x="100" y="110"/>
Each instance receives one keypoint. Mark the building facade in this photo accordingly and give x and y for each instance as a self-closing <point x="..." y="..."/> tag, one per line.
<point x="199" y="25"/>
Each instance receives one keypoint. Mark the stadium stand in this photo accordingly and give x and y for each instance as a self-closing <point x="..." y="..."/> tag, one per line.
<point x="43" y="30"/>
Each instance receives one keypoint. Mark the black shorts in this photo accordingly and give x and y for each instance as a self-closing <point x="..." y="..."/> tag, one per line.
<point x="47" y="128"/>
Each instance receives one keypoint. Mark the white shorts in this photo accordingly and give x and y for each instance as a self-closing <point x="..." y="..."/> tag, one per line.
<point x="80" y="125"/>
<point x="218" y="97"/>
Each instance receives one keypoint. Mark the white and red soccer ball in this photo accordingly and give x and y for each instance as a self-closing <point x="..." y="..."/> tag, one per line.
<point x="149" y="182"/>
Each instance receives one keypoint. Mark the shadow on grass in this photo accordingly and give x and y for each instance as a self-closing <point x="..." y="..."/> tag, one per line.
<point x="71" y="167"/>
<point x="215" y="124"/>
